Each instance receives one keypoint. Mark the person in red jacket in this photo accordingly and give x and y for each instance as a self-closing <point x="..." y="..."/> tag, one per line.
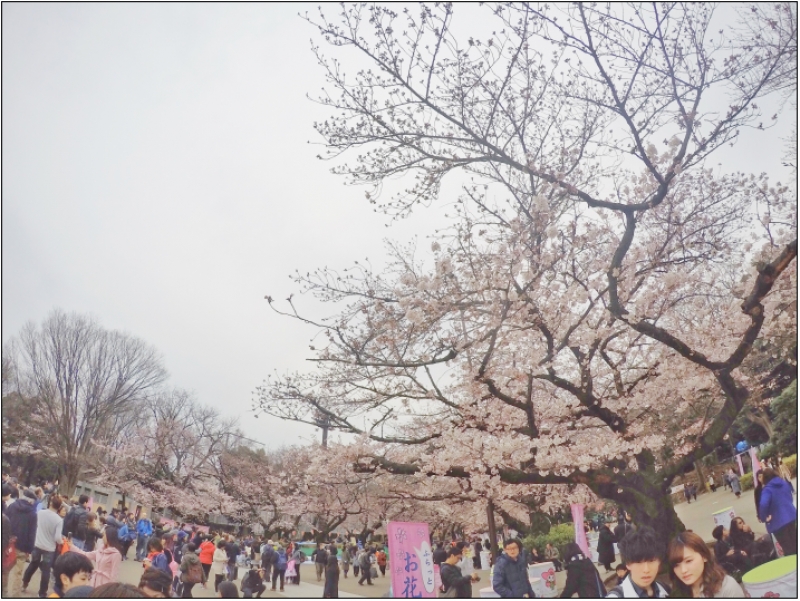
<point x="206" y="554"/>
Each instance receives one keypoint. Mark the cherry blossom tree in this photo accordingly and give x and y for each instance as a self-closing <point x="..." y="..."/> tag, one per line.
<point x="579" y="325"/>
<point x="330" y="493"/>
<point x="259" y="482"/>
<point x="172" y="458"/>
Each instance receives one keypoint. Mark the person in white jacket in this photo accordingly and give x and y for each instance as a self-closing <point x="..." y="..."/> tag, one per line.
<point x="219" y="564"/>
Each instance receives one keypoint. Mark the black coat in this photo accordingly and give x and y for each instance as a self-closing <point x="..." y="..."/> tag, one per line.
<point x="605" y="546"/>
<point x="233" y="551"/>
<point x="22" y="516"/>
<point x="252" y="580"/>
<point x="331" y="589"/>
<point x="583" y="578"/>
<point x="452" y="578"/>
<point x="76" y="522"/>
<point x="320" y="556"/>
<point x="6" y="532"/>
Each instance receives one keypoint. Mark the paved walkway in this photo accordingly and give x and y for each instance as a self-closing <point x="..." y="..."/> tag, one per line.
<point x="696" y="516"/>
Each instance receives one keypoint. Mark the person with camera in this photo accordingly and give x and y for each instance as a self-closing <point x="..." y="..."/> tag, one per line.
<point x="455" y="585"/>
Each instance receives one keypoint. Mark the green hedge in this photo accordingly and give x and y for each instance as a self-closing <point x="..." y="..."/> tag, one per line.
<point x="559" y="536"/>
<point x="746" y="481"/>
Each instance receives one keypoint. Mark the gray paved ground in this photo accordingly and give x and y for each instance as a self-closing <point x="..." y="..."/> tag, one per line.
<point x="696" y="516"/>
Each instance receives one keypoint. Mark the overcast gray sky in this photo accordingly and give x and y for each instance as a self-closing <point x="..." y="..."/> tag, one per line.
<point x="157" y="176"/>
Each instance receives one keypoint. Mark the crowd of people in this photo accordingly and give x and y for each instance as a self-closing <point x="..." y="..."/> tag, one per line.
<point x="83" y="550"/>
<point x="695" y="568"/>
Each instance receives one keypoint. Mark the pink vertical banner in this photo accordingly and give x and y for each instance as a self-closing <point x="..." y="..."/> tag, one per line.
<point x="754" y="458"/>
<point x="741" y="467"/>
<point x="580" y="533"/>
<point x="90" y="503"/>
<point x="411" y="560"/>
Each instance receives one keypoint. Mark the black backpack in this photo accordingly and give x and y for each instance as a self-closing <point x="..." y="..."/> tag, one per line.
<point x="70" y="523"/>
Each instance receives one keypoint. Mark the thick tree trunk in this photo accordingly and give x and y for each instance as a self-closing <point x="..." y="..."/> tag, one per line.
<point x="645" y="496"/>
<point x="659" y="514"/>
<point x="492" y="530"/>
<point x="71" y="474"/>
<point x="762" y="419"/>
<point x="703" y="482"/>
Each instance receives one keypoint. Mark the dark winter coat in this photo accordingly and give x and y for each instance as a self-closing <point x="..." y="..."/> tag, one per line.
<point x="320" y="556"/>
<point x="92" y="536"/>
<point x="76" y="521"/>
<point x="776" y="501"/>
<point x="6" y="532"/>
<point x="605" y="546"/>
<point x="331" y="589"/>
<point x="511" y="577"/>
<point x="233" y="551"/>
<point x="452" y="578"/>
<point x="583" y="578"/>
<point x="23" y="524"/>
<point x="252" y="580"/>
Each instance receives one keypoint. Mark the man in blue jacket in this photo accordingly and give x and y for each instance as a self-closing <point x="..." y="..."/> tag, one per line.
<point x="511" y="573"/>
<point x="144" y="529"/>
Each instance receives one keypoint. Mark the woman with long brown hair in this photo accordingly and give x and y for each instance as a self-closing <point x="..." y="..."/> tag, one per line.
<point x="695" y="572"/>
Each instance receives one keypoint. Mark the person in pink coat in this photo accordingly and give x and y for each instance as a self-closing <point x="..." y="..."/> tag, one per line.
<point x="107" y="558"/>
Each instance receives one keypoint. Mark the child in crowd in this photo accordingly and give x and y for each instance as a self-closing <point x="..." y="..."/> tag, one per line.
<point x="620" y="573"/>
<point x="156" y="557"/>
<point x="70" y="570"/>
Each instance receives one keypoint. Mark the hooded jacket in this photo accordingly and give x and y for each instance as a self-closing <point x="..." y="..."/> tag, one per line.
<point x="106" y="564"/>
<point x="22" y="515"/>
<point x="776" y="501"/>
<point x="192" y="559"/>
